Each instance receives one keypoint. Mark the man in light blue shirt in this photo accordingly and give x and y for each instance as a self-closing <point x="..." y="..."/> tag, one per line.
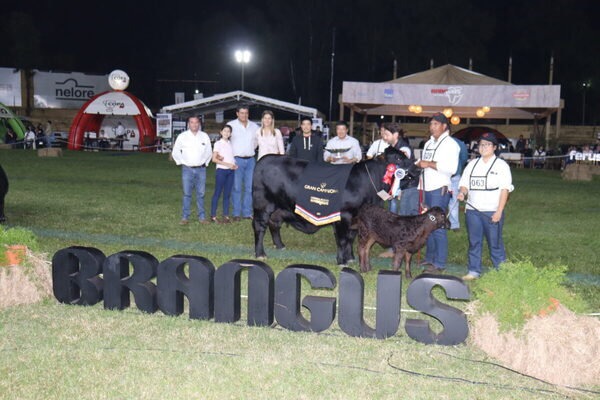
<point x="244" y="144"/>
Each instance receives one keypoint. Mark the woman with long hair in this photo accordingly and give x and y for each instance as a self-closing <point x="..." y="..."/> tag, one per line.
<point x="269" y="138"/>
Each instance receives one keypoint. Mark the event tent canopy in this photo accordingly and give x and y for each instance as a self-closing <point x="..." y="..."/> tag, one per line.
<point x="115" y="105"/>
<point x="463" y="90"/>
<point x="230" y="100"/>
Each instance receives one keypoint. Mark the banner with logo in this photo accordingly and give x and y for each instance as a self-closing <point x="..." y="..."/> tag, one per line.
<point x="10" y="87"/>
<point x="66" y="90"/>
<point x="116" y="103"/>
<point x="164" y="123"/>
<point x="519" y="96"/>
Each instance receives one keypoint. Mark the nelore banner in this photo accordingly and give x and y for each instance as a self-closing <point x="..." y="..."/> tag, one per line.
<point x="66" y="90"/>
<point x="543" y="96"/>
<point x="10" y="87"/>
<point x="85" y="276"/>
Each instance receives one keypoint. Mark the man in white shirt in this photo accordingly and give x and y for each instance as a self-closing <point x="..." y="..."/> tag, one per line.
<point x="244" y="144"/>
<point x="342" y="149"/>
<point x="439" y="160"/>
<point x="192" y="150"/>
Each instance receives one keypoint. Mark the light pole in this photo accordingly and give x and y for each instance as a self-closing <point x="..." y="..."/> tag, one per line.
<point x="243" y="57"/>
<point x="586" y="85"/>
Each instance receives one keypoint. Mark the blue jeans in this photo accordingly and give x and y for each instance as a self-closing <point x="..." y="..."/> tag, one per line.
<point x="437" y="242"/>
<point x="453" y="205"/>
<point x="409" y="202"/>
<point x="223" y="183"/>
<point x="478" y="226"/>
<point x="193" y="178"/>
<point x="243" y="177"/>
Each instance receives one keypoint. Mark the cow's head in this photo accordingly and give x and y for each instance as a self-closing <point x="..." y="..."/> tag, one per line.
<point x="394" y="156"/>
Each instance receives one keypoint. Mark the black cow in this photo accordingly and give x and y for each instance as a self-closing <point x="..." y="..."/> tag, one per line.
<point x="3" y="191"/>
<point x="276" y="180"/>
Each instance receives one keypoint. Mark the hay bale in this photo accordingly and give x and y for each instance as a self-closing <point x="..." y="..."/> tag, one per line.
<point x="50" y="152"/>
<point x="27" y="283"/>
<point x="562" y="348"/>
<point x="577" y="172"/>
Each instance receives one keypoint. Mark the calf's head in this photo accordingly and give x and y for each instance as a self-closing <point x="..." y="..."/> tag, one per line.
<point x="438" y="217"/>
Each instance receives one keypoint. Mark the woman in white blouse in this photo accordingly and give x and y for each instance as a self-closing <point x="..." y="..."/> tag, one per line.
<point x="268" y="138"/>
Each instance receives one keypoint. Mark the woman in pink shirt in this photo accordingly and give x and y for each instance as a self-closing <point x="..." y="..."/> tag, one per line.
<point x="268" y="138"/>
<point x="223" y="158"/>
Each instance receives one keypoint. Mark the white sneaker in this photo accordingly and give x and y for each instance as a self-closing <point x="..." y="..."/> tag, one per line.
<point x="469" y="277"/>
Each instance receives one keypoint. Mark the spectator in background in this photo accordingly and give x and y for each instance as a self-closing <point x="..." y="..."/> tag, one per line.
<point x="49" y="132"/>
<point x="342" y="149"/>
<point x="520" y="148"/>
<point x="423" y="141"/>
<point x="539" y="157"/>
<point x="307" y="145"/>
<point x="243" y="141"/>
<point x="10" y="137"/>
<point x="30" y="138"/>
<point x="268" y="138"/>
<point x="527" y="155"/>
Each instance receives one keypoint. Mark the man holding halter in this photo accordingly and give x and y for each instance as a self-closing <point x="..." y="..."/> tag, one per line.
<point x="439" y="160"/>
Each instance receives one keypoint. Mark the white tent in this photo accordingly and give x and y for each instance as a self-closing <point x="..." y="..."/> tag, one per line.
<point x="230" y="100"/>
<point x="453" y="87"/>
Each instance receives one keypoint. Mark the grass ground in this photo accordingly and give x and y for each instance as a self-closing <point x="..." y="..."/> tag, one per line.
<point x="132" y="201"/>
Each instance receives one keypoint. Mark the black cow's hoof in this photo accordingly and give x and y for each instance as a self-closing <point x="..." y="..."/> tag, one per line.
<point x="2" y="220"/>
<point x="342" y="265"/>
<point x="279" y="247"/>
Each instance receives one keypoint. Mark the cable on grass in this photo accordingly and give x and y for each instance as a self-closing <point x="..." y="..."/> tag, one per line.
<point x="463" y="380"/>
<point x="516" y="372"/>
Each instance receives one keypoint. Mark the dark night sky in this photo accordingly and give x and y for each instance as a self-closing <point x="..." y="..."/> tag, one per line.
<point x="291" y="43"/>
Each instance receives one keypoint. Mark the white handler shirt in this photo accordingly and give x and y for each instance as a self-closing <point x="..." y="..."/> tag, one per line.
<point x="192" y="150"/>
<point x="444" y="152"/>
<point x="377" y="148"/>
<point x="485" y="180"/>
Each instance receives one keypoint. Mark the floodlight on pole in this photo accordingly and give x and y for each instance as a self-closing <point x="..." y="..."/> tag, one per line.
<point x="242" y="57"/>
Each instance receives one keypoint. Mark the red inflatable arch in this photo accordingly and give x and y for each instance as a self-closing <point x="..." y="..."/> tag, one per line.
<point x="113" y="103"/>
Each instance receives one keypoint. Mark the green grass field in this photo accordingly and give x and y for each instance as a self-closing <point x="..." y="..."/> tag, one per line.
<point x="132" y="201"/>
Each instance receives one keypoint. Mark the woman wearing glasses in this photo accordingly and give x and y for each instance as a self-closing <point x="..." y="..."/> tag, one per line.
<point x="486" y="181"/>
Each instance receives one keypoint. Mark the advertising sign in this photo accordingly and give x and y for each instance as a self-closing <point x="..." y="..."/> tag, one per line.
<point x="10" y="87"/>
<point x="541" y="96"/>
<point x="66" y="90"/>
<point x="164" y="123"/>
<point x="116" y="103"/>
